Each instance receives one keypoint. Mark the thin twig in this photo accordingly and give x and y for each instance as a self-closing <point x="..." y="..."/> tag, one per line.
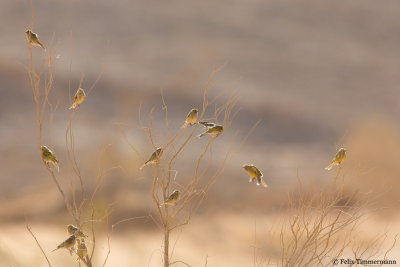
<point x="38" y="244"/>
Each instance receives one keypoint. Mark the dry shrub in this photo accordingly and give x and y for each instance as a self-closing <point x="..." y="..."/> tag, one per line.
<point x="324" y="226"/>
<point x="76" y="198"/>
<point x="206" y="168"/>
<point x="80" y="202"/>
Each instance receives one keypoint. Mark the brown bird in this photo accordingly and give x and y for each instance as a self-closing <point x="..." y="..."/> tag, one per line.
<point x="172" y="199"/>
<point x="33" y="39"/>
<point x="81" y="250"/>
<point x="79" y="98"/>
<point x="154" y="158"/>
<point x="338" y="159"/>
<point x="255" y="174"/>
<point x="191" y="118"/>
<point x="214" y="131"/>
<point x="73" y="230"/>
<point x="49" y="157"/>
<point x="69" y="243"/>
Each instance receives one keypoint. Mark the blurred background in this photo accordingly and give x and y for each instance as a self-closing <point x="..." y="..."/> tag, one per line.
<point x="310" y="76"/>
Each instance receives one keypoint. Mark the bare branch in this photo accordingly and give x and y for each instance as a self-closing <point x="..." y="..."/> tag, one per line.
<point x="38" y="244"/>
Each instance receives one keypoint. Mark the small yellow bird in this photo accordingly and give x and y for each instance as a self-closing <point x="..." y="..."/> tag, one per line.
<point x="73" y="230"/>
<point x="172" y="199"/>
<point x="69" y="243"/>
<point x="338" y="159"/>
<point x="81" y="251"/>
<point x="191" y="118"/>
<point x="79" y="98"/>
<point x="49" y="157"/>
<point x="207" y="124"/>
<point x="154" y="158"/>
<point x="255" y="174"/>
<point x="33" y="39"/>
<point x="213" y="131"/>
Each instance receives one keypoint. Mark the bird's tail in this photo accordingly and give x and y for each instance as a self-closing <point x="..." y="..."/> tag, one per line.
<point x="42" y="46"/>
<point x="260" y="181"/>
<point x="330" y="166"/>
<point x="55" y="249"/>
<point x="145" y="164"/>
<point x="184" y="125"/>
<point x="73" y="106"/>
<point x="251" y="179"/>
<point x="201" y="135"/>
<point x="57" y="166"/>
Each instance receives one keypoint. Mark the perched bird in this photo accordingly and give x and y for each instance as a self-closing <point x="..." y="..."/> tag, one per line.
<point x="33" y="39"/>
<point x="81" y="251"/>
<point x="255" y="174"/>
<point x="73" y="230"/>
<point x="338" y="159"/>
<point x="191" y="118"/>
<point x="49" y="157"/>
<point x="213" y="131"/>
<point x="79" y="98"/>
<point x="69" y="243"/>
<point x="207" y="123"/>
<point x="172" y="199"/>
<point x="154" y="158"/>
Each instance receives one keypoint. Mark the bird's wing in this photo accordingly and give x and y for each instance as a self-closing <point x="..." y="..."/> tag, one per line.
<point x="258" y="172"/>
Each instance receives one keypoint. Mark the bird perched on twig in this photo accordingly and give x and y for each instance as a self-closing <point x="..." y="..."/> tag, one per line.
<point x="338" y="159"/>
<point x="49" y="157"/>
<point x="79" y="98"/>
<point x="33" y="39"/>
<point x="69" y="243"/>
<point x="207" y="123"/>
<point x="255" y="174"/>
<point x="172" y="199"/>
<point x="154" y="158"/>
<point x="214" y="131"/>
<point x="73" y="230"/>
<point x="81" y="250"/>
<point x="191" y="118"/>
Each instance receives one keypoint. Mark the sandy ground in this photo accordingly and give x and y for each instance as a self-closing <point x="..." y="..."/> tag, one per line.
<point x="225" y="240"/>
